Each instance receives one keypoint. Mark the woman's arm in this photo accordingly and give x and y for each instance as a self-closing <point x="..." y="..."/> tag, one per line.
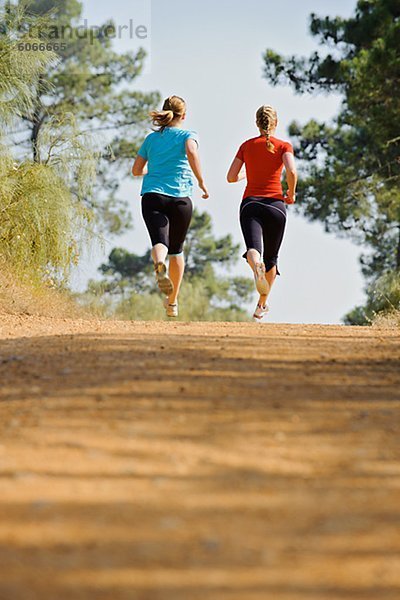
<point x="236" y="171"/>
<point x="291" y="177"/>
<point x="193" y="157"/>
<point x="139" y="167"/>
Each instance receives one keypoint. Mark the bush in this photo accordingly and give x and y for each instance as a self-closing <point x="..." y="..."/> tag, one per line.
<point x="194" y="305"/>
<point x="383" y="300"/>
<point x="43" y="203"/>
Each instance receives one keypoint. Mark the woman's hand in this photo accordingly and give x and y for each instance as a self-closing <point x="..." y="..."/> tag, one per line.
<point x="204" y="189"/>
<point x="290" y="198"/>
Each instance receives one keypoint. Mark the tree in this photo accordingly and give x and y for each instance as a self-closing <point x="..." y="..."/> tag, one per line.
<point x="94" y="84"/>
<point x="383" y="299"/>
<point x="128" y="284"/>
<point x="351" y="168"/>
<point x="40" y="217"/>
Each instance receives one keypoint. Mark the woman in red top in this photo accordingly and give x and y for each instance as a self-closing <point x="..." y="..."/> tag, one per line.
<point x="263" y="208"/>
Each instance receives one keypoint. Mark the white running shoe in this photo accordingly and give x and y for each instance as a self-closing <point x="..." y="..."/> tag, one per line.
<point x="171" y="310"/>
<point x="262" y="284"/>
<point x="260" y="312"/>
<point x="164" y="283"/>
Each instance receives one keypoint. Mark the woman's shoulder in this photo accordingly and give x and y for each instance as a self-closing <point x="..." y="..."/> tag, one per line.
<point x="186" y="133"/>
<point x="152" y="135"/>
<point x="282" y="144"/>
<point x="251" y="140"/>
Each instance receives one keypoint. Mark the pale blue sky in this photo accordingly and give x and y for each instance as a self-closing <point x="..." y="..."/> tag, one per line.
<point x="210" y="53"/>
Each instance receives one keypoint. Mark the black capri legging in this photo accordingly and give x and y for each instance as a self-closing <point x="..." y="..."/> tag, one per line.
<point x="263" y="223"/>
<point x="167" y="220"/>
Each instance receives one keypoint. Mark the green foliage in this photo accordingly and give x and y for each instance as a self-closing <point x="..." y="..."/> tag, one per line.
<point x="35" y="229"/>
<point x="129" y="290"/>
<point x="94" y="83"/>
<point x="19" y="71"/>
<point x="42" y="207"/>
<point x="203" y="249"/>
<point x="140" y="307"/>
<point x="194" y="305"/>
<point x="41" y="220"/>
<point x="383" y="298"/>
<point x="350" y="170"/>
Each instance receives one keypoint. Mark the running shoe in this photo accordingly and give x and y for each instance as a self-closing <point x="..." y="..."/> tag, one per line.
<point x="260" y="312"/>
<point x="164" y="283"/>
<point x="262" y="284"/>
<point x="170" y="309"/>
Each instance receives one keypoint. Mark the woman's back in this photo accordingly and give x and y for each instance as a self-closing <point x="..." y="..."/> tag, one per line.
<point x="263" y="168"/>
<point x="168" y="167"/>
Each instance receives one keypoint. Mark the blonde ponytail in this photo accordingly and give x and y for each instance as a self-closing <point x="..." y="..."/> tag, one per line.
<point x="266" y="119"/>
<point x="161" y="118"/>
<point x="173" y="107"/>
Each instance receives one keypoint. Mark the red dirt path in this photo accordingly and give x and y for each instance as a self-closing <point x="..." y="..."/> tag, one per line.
<point x="171" y="461"/>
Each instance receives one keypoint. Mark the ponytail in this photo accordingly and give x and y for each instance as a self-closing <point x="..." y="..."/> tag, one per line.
<point x="266" y="119"/>
<point x="173" y="107"/>
<point x="270" y="146"/>
<point x="162" y="118"/>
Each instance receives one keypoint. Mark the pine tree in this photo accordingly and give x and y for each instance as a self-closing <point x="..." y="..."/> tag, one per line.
<point x="41" y="219"/>
<point x="93" y="83"/>
<point x="350" y="169"/>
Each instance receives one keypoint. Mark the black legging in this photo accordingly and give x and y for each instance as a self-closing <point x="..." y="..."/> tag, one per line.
<point x="263" y="223"/>
<point x="167" y="220"/>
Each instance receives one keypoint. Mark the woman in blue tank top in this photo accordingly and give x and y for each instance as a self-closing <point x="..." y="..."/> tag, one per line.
<point x="168" y="159"/>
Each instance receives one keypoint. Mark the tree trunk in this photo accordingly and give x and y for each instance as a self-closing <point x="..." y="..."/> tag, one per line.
<point x="34" y="140"/>
<point x="37" y="121"/>
<point x="398" y="251"/>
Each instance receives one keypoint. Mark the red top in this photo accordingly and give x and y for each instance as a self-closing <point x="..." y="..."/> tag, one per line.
<point x="263" y="169"/>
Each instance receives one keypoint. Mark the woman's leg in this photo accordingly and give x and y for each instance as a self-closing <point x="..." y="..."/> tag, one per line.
<point x="176" y="271"/>
<point x="159" y="253"/>
<point x="251" y="225"/>
<point x="253" y="258"/>
<point x="180" y="214"/>
<point x="273" y="231"/>
<point x="270" y="276"/>
<point x="157" y="223"/>
<point x="252" y="231"/>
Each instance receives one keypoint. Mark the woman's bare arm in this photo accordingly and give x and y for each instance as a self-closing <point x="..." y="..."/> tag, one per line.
<point x="193" y="157"/>
<point x="291" y="177"/>
<point x="139" y="167"/>
<point x="236" y="171"/>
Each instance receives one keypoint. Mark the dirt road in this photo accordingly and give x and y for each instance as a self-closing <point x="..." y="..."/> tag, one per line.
<point x="171" y="461"/>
